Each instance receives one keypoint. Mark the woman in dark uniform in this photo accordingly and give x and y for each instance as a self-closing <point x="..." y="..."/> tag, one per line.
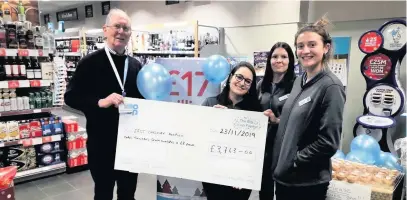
<point x="273" y="90"/>
<point x="239" y="93"/>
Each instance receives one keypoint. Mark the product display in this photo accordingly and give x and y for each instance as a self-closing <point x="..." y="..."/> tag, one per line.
<point x="384" y="100"/>
<point x="381" y="180"/>
<point x="76" y="138"/>
<point x="394" y="34"/>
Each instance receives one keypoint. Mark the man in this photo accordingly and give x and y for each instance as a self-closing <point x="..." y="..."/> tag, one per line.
<point x="100" y="82"/>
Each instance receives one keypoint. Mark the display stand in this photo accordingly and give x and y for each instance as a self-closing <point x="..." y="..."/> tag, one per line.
<point x="385" y="49"/>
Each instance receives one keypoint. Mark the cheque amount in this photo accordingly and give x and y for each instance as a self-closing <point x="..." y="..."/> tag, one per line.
<point x="238" y="133"/>
<point x="232" y="152"/>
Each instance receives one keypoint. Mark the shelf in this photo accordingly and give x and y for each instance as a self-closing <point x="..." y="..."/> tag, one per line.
<point x="69" y="53"/>
<point x="40" y="172"/>
<point x="165" y="52"/>
<point x="24" y="52"/>
<point x="25" y="112"/>
<point x="33" y="141"/>
<point x="12" y="84"/>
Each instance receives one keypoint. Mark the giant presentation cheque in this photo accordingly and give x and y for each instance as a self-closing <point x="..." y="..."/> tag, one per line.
<point x="221" y="146"/>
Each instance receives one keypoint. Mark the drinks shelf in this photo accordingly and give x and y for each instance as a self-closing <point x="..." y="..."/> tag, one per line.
<point x="25" y="112"/>
<point x="24" y="52"/>
<point x="166" y="52"/>
<point x="12" y="84"/>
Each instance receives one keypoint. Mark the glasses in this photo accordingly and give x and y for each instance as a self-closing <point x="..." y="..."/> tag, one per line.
<point x="119" y="26"/>
<point x="240" y="78"/>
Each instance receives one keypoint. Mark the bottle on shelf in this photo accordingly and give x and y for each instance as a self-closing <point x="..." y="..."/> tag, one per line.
<point x="23" y="68"/>
<point x="45" y="39"/>
<point x="13" y="100"/>
<point x="6" y="8"/>
<point x="6" y="97"/>
<point x="3" y="33"/>
<point x="8" y="69"/>
<point x="2" y="69"/>
<point x="29" y="35"/>
<point x="37" y="69"/>
<point x="29" y="68"/>
<point x="21" y="11"/>
<point x="21" y="35"/>
<point x="39" y="43"/>
<point x="11" y="36"/>
<point x="15" y="68"/>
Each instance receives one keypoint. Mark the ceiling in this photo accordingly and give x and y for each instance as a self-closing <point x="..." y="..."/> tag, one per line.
<point x="53" y="6"/>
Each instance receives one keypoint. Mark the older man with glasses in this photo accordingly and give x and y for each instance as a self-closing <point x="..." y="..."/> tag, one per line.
<point x="100" y="82"/>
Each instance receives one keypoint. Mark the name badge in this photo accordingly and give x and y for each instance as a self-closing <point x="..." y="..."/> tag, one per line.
<point x="304" y="101"/>
<point x="283" y="97"/>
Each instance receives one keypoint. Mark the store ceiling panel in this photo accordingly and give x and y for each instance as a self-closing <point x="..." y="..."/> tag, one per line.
<point x="54" y="6"/>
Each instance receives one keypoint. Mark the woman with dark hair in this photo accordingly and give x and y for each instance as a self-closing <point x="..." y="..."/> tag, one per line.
<point x="239" y="93"/>
<point x="273" y="90"/>
<point x="311" y="122"/>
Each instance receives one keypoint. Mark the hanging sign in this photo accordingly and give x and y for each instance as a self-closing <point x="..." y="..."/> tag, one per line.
<point x="384" y="100"/>
<point x="394" y="35"/>
<point x="375" y="122"/>
<point x="370" y="41"/>
<point x="68" y="15"/>
<point x="88" y="11"/>
<point x="376" y="67"/>
<point x="105" y="7"/>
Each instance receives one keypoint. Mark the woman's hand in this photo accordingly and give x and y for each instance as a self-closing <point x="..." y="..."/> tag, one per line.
<point x="269" y="113"/>
<point x="220" y="106"/>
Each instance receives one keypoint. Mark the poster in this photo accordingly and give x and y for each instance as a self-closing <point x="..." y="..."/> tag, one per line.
<point x="189" y="87"/>
<point x="260" y="62"/>
<point x="340" y="63"/>
<point x="31" y="11"/>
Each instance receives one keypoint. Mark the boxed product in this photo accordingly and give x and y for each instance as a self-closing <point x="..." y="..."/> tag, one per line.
<point x="13" y="130"/>
<point x="24" y="128"/>
<point x="35" y="128"/>
<point x="49" y="159"/>
<point x="77" y="158"/>
<point x="3" y="132"/>
<point x="52" y="147"/>
<point x="58" y="125"/>
<point x="47" y="127"/>
<point x="77" y="140"/>
<point x="16" y="156"/>
<point x="31" y="158"/>
<point x="70" y="126"/>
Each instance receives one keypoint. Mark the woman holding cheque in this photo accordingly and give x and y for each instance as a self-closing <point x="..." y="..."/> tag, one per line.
<point x="273" y="91"/>
<point x="239" y="93"/>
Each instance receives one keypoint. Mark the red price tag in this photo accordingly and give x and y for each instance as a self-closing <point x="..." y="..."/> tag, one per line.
<point x="23" y="52"/>
<point x="35" y="83"/>
<point x="40" y="53"/>
<point x="13" y="84"/>
<point x="46" y="139"/>
<point x="2" y="52"/>
<point x="27" y="142"/>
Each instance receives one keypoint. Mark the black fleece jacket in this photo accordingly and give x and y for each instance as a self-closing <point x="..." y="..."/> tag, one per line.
<point x="309" y="131"/>
<point x="93" y="80"/>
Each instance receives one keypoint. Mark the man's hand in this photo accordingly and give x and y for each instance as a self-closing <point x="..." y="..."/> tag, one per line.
<point x="113" y="99"/>
<point x="220" y="106"/>
<point x="271" y="116"/>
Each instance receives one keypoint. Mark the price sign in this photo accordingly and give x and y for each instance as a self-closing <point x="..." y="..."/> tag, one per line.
<point x="23" y="52"/>
<point x="2" y="52"/>
<point x="13" y="84"/>
<point x="35" y="83"/>
<point x="370" y="41"/>
<point x="40" y="52"/>
<point x="46" y="139"/>
<point x="27" y="142"/>
<point x="189" y="83"/>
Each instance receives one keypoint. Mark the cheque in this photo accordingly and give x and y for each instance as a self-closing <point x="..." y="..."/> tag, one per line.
<point x="199" y="143"/>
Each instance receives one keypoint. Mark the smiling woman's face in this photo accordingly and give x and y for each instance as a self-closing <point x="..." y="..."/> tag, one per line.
<point x="279" y="60"/>
<point x="310" y="49"/>
<point x="241" y="81"/>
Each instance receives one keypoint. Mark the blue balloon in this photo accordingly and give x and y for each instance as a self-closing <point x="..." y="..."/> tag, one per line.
<point x="216" y="69"/>
<point x="154" y="82"/>
<point x="361" y="157"/>
<point x="339" y="154"/>
<point x="388" y="160"/>
<point x="365" y="143"/>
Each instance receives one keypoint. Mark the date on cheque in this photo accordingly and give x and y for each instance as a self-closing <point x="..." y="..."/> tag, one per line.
<point x="239" y="133"/>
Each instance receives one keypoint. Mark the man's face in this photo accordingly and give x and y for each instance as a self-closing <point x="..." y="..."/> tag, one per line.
<point x="117" y="32"/>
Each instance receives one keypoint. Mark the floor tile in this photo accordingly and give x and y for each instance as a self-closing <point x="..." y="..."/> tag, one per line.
<point x="49" y="182"/>
<point x="58" y="189"/>
<point x="28" y="191"/>
<point x="76" y="195"/>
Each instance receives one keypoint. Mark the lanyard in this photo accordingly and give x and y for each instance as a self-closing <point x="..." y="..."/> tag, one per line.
<point x="126" y="67"/>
